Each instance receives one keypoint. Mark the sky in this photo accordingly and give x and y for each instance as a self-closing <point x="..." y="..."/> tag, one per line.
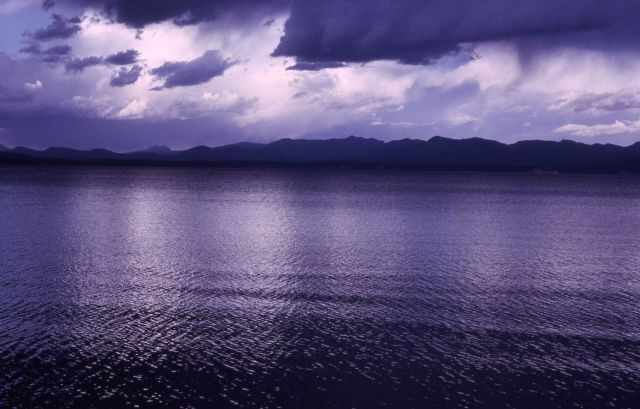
<point x="129" y="74"/>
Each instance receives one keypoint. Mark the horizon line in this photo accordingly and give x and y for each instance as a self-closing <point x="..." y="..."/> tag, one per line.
<point x="436" y="137"/>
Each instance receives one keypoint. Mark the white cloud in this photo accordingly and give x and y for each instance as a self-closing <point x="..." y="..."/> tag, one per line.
<point x="573" y="70"/>
<point x="401" y="124"/>
<point x="134" y="109"/>
<point x="99" y="106"/>
<point x="616" y="128"/>
<point x="33" y="86"/>
<point x="619" y="100"/>
<point x="157" y="44"/>
<point x="223" y="100"/>
<point x="494" y="65"/>
<point x="460" y="118"/>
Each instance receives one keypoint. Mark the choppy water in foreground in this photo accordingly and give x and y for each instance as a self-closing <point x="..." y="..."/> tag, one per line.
<point x="312" y="289"/>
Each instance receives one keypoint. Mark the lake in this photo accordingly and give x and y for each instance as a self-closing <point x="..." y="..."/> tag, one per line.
<point x="256" y="288"/>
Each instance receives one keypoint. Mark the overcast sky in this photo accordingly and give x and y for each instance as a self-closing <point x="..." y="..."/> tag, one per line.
<point x="127" y="74"/>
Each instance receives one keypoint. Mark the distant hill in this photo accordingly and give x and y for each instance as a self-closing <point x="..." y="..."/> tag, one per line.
<point x="437" y="153"/>
<point x="159" y="149"/>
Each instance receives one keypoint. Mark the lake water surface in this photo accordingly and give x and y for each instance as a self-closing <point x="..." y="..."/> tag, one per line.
<point x="209" y="288"/>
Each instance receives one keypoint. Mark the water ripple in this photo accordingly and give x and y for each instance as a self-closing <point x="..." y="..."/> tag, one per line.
<point x="265" y="289"/>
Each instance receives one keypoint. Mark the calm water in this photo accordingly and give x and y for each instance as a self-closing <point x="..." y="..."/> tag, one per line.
<point x="313" y="289"/>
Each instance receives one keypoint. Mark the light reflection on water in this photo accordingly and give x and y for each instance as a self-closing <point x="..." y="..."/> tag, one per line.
<point x="265" y="288"/>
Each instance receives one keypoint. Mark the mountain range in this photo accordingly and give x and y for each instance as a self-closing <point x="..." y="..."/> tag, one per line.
<point x="437" y="153"/>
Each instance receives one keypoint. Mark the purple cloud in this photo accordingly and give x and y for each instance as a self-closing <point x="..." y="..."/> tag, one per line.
<point x="186" y="73"/>
<point x="60" y="28"/>
<point x="77" y="65"/>
<point x="123" y="57"/>
<point x="53" y="54"/>
<point x="126" y="76"/>
<point x="618" y="101"/>
<point x="315" y="66"/>
<point x="127" y="57"/>
<point x="139" y="13"/>
<point x="420" y="31"/>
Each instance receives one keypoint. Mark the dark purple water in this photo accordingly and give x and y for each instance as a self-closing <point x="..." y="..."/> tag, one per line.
<point x="312" y="289"/>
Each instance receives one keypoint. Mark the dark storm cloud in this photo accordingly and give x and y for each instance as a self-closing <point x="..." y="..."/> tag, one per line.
<point x="35" y="49"/>
<point x="60" y="28"/>
<point x="409" y="31"/>
<point x="315" y="66"/>
<point x="123" y="57"/>
<point x="77" y="65"/>
<point x="185" y="73"/>
<point x="139" y="13"/>
<point x="32" y="48"/>
<point x="58" y="50"/>
<point x="126" y="76"/>
<point x="127" y="57"/>
<point x="419" y="31"/>
<point x="51" y="55"/>
<point x="56" y="54"/>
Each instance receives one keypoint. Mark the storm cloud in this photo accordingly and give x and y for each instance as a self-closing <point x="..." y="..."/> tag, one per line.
<point x="77" y="65"/>
<point x="139" y="13"/>
<point x="126" y="76"/>
<point x="50" y="55"/>
<point x="60" y="28"/>
<point x="408" y="31"/>
<point x="186" y="73"/>
<point x="420" y="31"/>
<point x="123" y="57"/>
<point x="315" y="66"/>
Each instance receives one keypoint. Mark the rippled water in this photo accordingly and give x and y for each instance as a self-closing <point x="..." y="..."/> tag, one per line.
<point x="312" y="289"/>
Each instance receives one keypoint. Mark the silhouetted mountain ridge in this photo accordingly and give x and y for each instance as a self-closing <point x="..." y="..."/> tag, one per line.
<point x="160" y="149"/>
<point x="436" y="153"/>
